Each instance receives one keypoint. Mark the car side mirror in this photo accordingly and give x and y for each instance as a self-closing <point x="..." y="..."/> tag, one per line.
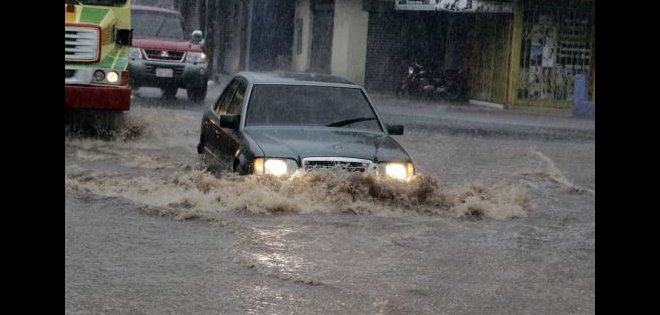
<point x="197" y="36"/>
<point x="230" y="121"/>
<point x="395" y="129"/>
<point x="124" y="37"/>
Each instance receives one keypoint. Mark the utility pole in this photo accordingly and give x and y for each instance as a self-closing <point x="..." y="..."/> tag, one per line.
<point x="248" y="38"/>
<point x="210" y="38"/>
<point x="201" y="15"/>
<point x="185" y="7"/>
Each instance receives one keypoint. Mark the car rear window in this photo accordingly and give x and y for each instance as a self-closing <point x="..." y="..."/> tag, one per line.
<point x="302" y="105"/>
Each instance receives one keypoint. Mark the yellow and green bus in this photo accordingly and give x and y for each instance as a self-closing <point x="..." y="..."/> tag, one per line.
<point x="97" y="39"/>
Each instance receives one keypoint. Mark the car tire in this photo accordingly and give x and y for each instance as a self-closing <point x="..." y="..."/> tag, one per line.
<point x="430" y="96"/>
<point x="453" y="93"/>
<point x="169" y="92"/>
<point x="201" y="144"/>
<point x="197" y="94"/>
<point x="208" y="162"/>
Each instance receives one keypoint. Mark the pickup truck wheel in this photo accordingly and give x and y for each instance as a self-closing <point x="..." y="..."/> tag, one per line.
<point x="197" y="94"/>
<point x="169" y="92"/>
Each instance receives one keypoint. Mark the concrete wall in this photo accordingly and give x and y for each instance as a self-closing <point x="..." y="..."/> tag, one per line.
<point x="349" y="42"/>
<point x="300" y="62"/>
<point x="232" y="55"/>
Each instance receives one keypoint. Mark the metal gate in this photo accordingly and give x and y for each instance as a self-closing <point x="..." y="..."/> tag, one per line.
<point x="397" y="39"/>
<point x="490" y="44"/>
<point x="555" y="45"/>
<point x="384" y="65"/>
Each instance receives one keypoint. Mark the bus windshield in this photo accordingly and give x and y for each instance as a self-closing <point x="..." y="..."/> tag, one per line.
<point x="97" y="2"/>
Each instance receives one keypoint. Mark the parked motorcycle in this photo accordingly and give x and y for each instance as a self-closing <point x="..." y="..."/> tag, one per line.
<point x="413" y="81"/>
<point x="449" y="85"/>
<point x="422" y="82"/>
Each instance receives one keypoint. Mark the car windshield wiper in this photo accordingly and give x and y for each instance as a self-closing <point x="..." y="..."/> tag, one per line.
<point x="160" y="28"/>
<point x="349" y="121"/>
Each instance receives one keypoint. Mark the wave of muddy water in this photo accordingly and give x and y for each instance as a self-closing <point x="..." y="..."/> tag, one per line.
<point x="348" y="243"/>
<point x="186" y="191"/>
<point x="195" y="193"/>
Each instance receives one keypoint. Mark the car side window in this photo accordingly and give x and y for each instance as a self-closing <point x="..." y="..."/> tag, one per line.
<point x="220" y="106"/>
<point x="236" y="102"/>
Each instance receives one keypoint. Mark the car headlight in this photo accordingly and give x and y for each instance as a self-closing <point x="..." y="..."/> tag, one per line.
<point x="399" y="170"/>
<point x="134" y="53"/>
<point x="196" y="57"/>
<point x="276" y="167"/>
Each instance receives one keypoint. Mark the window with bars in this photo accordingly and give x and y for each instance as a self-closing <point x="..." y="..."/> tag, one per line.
<point x="556" y="46"/>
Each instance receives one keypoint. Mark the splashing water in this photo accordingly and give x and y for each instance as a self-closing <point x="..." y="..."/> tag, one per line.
<point x="187" y="192"/>
<point x="139" y="128"/>
<point x="108" y="125"/>
<point x="554" y="173"/>
<point x="192" y="194"/>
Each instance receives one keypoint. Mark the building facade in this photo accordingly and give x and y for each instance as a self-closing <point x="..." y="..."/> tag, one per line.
<point x="330" y="37"/>
<point x="515" y="52"/>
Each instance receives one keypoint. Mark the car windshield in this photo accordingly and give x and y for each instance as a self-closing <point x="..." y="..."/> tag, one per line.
<point x="96" y="2"/>
<point x="157" y="24"/>
<point x="302" y="105"/>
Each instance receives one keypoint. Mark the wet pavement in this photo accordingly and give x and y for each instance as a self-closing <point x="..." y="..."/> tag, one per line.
<point x="482" y="121"/>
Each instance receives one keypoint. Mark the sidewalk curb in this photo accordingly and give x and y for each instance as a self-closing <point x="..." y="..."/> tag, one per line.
<point x="486" y="104"/>
<point x="497" y="130"/>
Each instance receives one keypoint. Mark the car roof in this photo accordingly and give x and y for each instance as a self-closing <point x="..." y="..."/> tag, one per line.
<point x="296" y="78"/>
<point x="153" y="9"/>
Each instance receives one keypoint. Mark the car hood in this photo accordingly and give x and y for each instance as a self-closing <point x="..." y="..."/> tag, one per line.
<point x="298" y="143"/>
<point x="155" y="43"/>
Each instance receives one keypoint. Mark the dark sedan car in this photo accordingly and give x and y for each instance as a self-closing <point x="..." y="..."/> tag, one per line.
<point x="282" y="123"/>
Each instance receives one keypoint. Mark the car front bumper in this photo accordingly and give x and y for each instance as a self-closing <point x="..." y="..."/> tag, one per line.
<point x="184" y="75"/>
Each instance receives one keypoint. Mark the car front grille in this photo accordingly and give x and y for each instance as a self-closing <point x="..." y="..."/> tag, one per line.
<point x="339" y="163"/>
<point x="150" y="69"/>
<point x="170" y="55"/>
<point x="81" y="43"/>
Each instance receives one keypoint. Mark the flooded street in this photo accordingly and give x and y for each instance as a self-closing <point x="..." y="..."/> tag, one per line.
<point x="497" y="223"/>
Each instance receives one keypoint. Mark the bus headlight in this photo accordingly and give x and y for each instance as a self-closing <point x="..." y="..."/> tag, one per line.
<point x="112" y="77"/>
<point x="99" y="75"/>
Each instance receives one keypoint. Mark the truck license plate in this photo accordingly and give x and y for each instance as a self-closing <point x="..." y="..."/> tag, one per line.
<point x="165" y="73"/>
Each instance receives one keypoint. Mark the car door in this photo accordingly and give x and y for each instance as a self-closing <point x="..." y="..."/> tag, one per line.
<point x="212" y="131"/>
<point x="229" y="141"/>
